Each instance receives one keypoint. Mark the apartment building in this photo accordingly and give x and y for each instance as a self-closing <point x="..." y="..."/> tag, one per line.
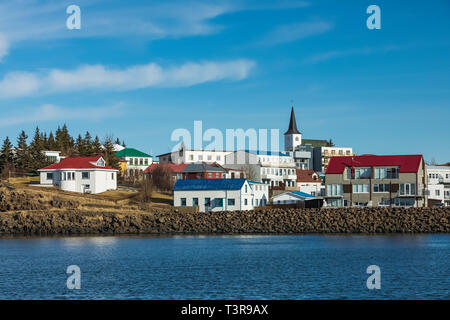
<point x="276" y="169"/>
<point x="439" y="185"/>
<point x="322" y="156"/>
<point x="371" y="180"/>
<point x="184" y="155"/>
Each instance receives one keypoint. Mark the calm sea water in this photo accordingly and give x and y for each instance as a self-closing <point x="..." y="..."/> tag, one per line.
<point x="226" y="267"/>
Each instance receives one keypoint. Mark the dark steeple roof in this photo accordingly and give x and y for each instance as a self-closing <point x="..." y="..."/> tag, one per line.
<point x="292" y="124"/>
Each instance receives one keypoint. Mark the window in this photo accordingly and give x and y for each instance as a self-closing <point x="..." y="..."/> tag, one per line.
<point x="438" y="192"/>
<point x="348" y="173"/>
<point x="209" y="174"/>
<point x="146" y="162"/>
<point x="218" y="158"/>
<point x="112" y="175"/>
<point x="404" y="202"/>
<point x="245" y="188"/>
<point x="131" y="161"/>
<point x="209" y="157"/>
<point x="363" y="173"/>
<point x="384" y="202"/>
<point x="73" y="175"/>
<point x="218" y="202"/>
<point x="85" y="175"/>
<point x="335" y="189"/>
<point x="183" y="202"/>
<point x="381" y="187"/>
<point x="195" y="202"/>
<point x="200" y="158"/>
<point x="360" y="188"/>
<point x="386" y="173"/>
<point x="231" y="202"/>
<point x="334" y="202"/>
<point x="245" y="202"/>
<point x="207" y="202"/>
<point x="49" y="175"/>
<point x="407" y="189"/>
<point x="191" y="157"/>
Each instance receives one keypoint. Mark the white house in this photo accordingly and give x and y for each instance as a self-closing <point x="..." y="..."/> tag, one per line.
<point x="439" y="183"/>
<point x="133" y="161"/>
<point x="219" y="194"/>
<point x="260" y="193"/>
<point x="291" y="197"/>
<point x="80" y="174"/>
<point x="273" y="168"/>
<point x="54" y="156"/>
<point x="184" y="155"/>
<point x="309" y="181"/>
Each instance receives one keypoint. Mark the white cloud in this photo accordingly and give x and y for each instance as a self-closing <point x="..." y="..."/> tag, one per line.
<point x="335" y="54"/>
<point x="18" y="84"/>
<point x="50" y="112"/>
<point x="4" y="46"/>
<point x="296" y="31"/>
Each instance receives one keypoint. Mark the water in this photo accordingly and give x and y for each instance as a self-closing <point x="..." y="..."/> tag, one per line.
<point x="226" y="267"/>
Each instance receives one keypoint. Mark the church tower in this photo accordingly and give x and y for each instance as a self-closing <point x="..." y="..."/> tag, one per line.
<point x="292" y="137"/>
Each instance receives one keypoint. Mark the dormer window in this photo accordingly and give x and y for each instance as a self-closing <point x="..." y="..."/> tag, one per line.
<point x="100" y="162"/>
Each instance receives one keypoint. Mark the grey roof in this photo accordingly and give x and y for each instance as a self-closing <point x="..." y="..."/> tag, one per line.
<point x="202" y="167"/>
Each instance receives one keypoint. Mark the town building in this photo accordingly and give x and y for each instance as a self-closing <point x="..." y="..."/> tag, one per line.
<point x="174" y="169"/>
<point x="291" y="197"/>
<point x="372" y="180"/>
<point x="219" y="194"/>
<point x="203" y="171"/>
<point x="184" y="155"/>
<point x="80" y="174"/>
<point x="136" y="161"/>
<point x="309" y="181"/>
<point x="293" y="147"/>
<point x="323" y="154"/>
<point x="438" y="185"/>
<point x="53" y="156"/>
<point x="276" y="169"/>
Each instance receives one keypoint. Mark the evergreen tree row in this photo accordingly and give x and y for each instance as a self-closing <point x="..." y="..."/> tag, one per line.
<point x="24" y="157"/>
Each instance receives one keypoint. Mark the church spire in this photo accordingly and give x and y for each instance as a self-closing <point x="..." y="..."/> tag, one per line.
<point x="292" y="124"/>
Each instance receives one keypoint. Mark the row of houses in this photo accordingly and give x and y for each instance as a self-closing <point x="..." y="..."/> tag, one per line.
<point x="341" y="178"/>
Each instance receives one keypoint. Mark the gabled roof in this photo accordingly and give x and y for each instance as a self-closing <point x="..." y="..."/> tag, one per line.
<point x="406" y="163"/>
<point x="307" y="176"/>
<point x="209" y="184"/>
<point x="131" y="152"/>
<point x="175" y="168"/>
<point x="77" y="163"/>
<point x="297" y="194"/>
<point x="202" y="167"/>
<point x="292" y="124"/>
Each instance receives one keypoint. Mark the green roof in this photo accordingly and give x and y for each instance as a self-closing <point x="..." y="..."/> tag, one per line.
<point x="131" y="152"/>
<point x="316" y="143"/>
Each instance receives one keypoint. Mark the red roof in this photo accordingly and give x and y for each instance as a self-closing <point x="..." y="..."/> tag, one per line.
<point x="406" y="163"/>
<point x="77" y="163"/>
<point x="307" y="176"/>
<point x="175" y="168"/>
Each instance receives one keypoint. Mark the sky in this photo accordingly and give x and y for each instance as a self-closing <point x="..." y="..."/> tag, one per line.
<point x="139" y="70"/>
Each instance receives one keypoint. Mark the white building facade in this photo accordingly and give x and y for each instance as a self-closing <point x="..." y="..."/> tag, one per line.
<point x="80" y="174"/>
<point x="439" y="184"/>
<point x="211" y="195"/>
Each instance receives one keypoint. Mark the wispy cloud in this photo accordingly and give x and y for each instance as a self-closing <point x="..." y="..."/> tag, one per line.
<point x="295" y="31"/>
<point x="35" y="20"/>
<point x="18" y="84"/>
<point x="335" y="54"/>
<point x="4" y="46"/>
<point x="50" y="112"/>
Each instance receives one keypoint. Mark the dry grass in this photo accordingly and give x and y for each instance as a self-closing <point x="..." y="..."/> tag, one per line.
<point x="24" y="180"/>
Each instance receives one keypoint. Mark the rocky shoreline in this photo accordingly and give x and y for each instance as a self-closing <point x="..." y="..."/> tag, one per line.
<point x="270" y="221"/>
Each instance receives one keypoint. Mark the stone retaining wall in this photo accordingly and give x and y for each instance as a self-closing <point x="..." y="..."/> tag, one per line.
<point x="281" y="221"/>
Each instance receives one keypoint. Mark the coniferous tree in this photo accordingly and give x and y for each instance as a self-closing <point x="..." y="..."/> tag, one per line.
<point x="117" y="141"/>
<point x="123" y="143"/>
<point x="6" y="156"/>
<point x="23" y="158"/>
<point x="109" y="154"/>
<point x="96" y="146"/>
<point x="88" y="144"/>
<point x="38" y="158"/>
<point x="51" y="143"/>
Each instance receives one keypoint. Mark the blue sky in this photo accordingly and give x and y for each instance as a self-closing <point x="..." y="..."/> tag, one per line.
<point x="140" y="70"/>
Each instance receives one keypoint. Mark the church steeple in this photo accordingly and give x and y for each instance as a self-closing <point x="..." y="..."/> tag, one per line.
<point x="292" y="124"/>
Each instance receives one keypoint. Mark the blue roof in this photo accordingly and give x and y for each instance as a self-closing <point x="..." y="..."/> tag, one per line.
<point x="268" y="153"/>
<point x="255" y="182"/>
<point x="302" y="194"/>
<point x="209" y="184"/>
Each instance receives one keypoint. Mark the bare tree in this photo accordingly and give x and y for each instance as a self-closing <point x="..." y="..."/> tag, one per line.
<point x="146" y="189"/>
<point x="250" y="172"/>
<point x="162" y="178"/>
